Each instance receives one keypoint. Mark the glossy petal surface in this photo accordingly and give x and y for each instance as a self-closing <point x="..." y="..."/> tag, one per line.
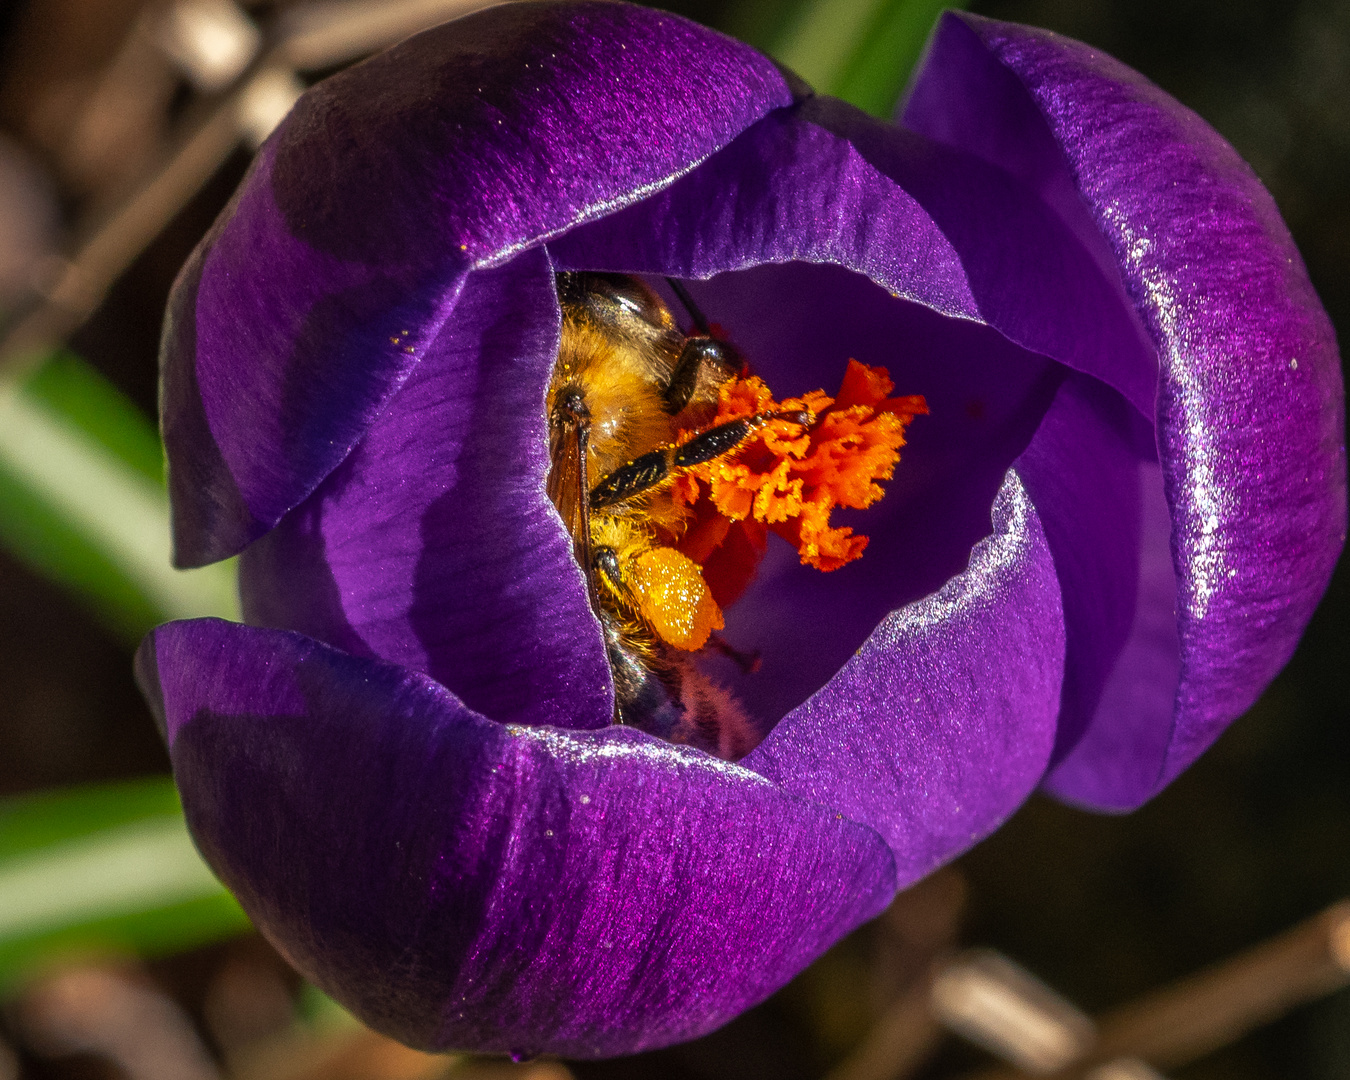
<point x="458" y="882"/>
<point x="942" y="723"/>
<point x="341" y="256"/>
<point x="1250" y="404"/>
<point x="1092" y="475"/>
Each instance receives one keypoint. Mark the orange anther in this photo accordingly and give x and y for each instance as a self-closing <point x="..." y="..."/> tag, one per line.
<point x="789" y="477"/>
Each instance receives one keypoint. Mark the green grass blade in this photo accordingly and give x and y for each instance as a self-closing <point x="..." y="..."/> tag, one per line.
<point x="36" y="532"/>
<point x="878" y="68"/>
<point x="820" y="42"/>
<point x="33" y="822"/>
<point x="70" y="388"/>
<point x="106" y="867"/>
<point x="82" y="501"/>
<point x="860" y="50"/>
<point x="136" y="867"/>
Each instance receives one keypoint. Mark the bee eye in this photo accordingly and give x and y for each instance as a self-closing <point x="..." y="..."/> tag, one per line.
<point x="613" y="298"/>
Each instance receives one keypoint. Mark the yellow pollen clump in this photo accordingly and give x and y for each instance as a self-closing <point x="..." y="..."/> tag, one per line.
<point x="673" y="597"/>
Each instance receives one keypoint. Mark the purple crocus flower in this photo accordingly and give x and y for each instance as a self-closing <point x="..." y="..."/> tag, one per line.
<point x="404" y="766"/>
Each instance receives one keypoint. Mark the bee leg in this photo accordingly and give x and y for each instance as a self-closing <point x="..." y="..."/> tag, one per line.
<point x="715" y="442"/>
<point x="724" y="438"/>
<point x="635" y="691"/>
<point x="606" y="563"/>
<point x="645" y="472"/>
<point x="697" y="352"/>
<point x="639" y="475"/>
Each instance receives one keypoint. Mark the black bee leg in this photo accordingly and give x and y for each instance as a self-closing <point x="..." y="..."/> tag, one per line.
<point x="639" y="475"/>
<point x="715" y="442"/>
<point x="606" y="564"/>
<point x="643" y="473"/>
<point x="628" y="673"/>
<point x="695" y="312"/>
<point x="697" y="352"/>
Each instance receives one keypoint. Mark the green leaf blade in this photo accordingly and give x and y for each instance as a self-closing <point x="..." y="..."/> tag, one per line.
<point x="82" y="502"/>
<point x="105" y="868"/>
<point x="879" y="68"/>
<point x="38" y="820"/>
<point x="860" y="50"/>
<point x="70" y="388"/>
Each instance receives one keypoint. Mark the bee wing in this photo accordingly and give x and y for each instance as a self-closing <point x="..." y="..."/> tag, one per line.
<point x="564" y="477"/>
<point x="569" y="489"/>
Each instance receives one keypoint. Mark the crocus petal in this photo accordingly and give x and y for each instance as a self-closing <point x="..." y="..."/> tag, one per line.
<point x="458" y="882"/>
<point x="1091" y="473"/>
<point x="1249" y="406"/>
<point x="342" y="254"/>
<point x="943" y="722"/>
<point x="434" y="544"/>
<point x="825" y="182"/>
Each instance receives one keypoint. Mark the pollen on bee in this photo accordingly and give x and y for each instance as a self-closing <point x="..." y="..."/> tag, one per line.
<point x="674" y="598"/>
<point x="666" y="587"/>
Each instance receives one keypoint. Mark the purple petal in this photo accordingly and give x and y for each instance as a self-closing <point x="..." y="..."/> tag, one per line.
<point x="943" y="722"/>
<point x="457" y="882"/>
<point x="433" y="544"/>
<point x="1250" y="403"/>
<point x="823" y="182"/>
<point x="799" y="324"/>
<point x="341" y="257"/>
<point x="1091" y="473"/>
<point x="785" y="190"/>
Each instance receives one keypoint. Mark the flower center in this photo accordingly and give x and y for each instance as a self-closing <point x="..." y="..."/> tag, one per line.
<point x="671" y="464"/>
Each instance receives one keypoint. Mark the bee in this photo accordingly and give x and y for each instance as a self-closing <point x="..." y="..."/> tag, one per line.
<point x="627" y="390"/>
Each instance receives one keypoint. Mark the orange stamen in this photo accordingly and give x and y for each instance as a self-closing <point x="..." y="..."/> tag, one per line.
<point x="788" y="477"/>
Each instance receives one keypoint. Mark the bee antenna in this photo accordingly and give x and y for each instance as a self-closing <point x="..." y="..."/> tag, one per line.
<point x="695" y="312"/>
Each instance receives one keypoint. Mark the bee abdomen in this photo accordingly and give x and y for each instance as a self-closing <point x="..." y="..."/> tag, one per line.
<point x="642" y="697"/>
<point x="666" y="696"/>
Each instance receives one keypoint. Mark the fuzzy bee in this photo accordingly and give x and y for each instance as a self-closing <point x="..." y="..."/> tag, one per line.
<point x="631" y="404"/>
